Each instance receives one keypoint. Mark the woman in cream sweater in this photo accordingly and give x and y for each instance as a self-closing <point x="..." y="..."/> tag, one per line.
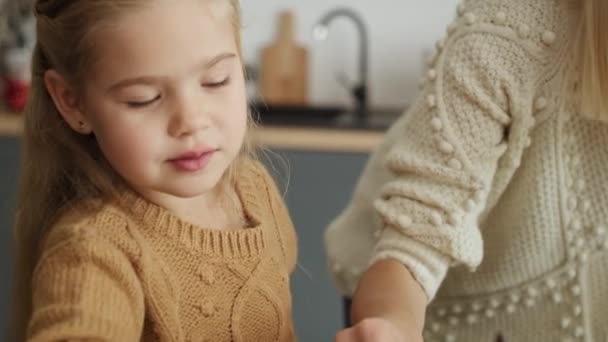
<point x="484" y="211"/>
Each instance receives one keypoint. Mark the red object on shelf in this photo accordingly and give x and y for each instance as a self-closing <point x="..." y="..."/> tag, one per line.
<point x="15" y="94"/>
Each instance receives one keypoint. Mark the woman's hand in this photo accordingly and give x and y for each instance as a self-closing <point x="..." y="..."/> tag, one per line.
<point x="377" y="330"/>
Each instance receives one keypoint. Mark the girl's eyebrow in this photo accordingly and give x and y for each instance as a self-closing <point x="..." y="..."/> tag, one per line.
<point x="207" y="64"/>
<point x="215" y="60"/>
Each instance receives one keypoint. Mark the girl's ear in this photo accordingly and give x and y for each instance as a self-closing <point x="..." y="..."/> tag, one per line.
<point x="66" y="101"/>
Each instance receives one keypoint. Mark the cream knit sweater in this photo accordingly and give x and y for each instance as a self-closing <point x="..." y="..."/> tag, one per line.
<point x="494" y="175"/>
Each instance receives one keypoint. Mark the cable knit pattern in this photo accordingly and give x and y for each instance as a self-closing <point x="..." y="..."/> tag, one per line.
<point x="134" y="272"/>
<point x="495" y="176"/>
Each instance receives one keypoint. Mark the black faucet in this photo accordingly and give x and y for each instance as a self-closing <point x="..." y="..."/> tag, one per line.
<point x="359" y="90"/>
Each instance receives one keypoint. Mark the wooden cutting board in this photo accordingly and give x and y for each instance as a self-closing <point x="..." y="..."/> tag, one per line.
<point x="284" y="67"/>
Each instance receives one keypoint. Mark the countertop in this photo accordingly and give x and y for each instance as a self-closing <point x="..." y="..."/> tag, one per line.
<point x="276" y="135"/>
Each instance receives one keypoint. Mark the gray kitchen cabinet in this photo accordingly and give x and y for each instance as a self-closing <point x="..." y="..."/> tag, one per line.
<point x="317" y="186"/>
<point x="9" y="154"/>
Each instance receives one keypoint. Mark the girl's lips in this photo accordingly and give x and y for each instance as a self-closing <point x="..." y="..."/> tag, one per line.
<point x="193" y="160"/>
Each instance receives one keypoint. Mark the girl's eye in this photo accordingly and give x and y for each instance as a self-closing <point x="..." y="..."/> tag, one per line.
<point x="217" y="84"/>
<point x="142" y="104"/>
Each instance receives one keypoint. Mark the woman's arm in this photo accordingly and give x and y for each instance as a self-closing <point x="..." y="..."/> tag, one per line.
<point x="460" y="141"/>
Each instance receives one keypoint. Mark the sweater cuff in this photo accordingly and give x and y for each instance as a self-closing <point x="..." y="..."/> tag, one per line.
<point x="428" y="266"/>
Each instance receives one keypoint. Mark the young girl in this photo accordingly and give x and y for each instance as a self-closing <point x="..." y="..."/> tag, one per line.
<point x="497" y="173"/>
<point x="142" y="217"/>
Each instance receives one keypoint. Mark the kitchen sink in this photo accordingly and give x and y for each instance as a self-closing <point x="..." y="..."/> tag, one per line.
<point x="323" y="117"/>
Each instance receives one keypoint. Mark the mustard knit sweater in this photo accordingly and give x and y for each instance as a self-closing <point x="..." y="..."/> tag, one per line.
<point x="134" y="272"/>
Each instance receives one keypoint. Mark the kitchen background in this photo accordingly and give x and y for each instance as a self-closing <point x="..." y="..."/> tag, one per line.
<point x="317" y="168"/>
<point x="402" y="33"/>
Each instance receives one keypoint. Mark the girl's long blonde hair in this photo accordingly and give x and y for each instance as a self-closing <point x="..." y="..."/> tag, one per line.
<point x="59" y="166"/>
<point x="592" y="58"/>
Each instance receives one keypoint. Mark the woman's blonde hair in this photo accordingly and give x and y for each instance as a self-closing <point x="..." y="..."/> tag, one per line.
<point x="592" y="59"/>
<point x="59" y="166"/>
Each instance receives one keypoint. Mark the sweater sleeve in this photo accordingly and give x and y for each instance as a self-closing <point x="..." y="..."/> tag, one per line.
<point x="442" y="159"/>
<point x="85" y="289"/>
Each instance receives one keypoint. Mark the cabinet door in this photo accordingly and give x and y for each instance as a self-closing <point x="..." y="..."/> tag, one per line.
<point x="317" y="187"/>
<point x="10" y="156"/>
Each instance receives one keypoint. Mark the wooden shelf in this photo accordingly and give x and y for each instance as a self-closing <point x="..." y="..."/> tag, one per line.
<point x="318" y="139"/>
<point x="280" y="137"/>
<point x="11" y="124"/>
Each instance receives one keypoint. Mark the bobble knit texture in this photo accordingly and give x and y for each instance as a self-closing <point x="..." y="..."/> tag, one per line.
<point x="135" y="272"/>
<point x="494" y="175"/>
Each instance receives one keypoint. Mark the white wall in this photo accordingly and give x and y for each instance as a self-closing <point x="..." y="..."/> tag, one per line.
<point x="401" y="33"/>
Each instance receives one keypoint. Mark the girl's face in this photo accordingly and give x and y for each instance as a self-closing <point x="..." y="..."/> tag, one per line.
<point x="166" y="97"/>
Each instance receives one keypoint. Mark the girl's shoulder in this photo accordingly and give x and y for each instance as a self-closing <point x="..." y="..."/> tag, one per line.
<point x="252" y="167"/>
<point x="257" y="185"/>
<point x="88" y="221"/>
<point x="255" y="174"/>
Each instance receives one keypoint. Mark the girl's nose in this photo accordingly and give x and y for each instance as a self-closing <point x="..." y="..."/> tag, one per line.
<point x="189" y="117"/>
